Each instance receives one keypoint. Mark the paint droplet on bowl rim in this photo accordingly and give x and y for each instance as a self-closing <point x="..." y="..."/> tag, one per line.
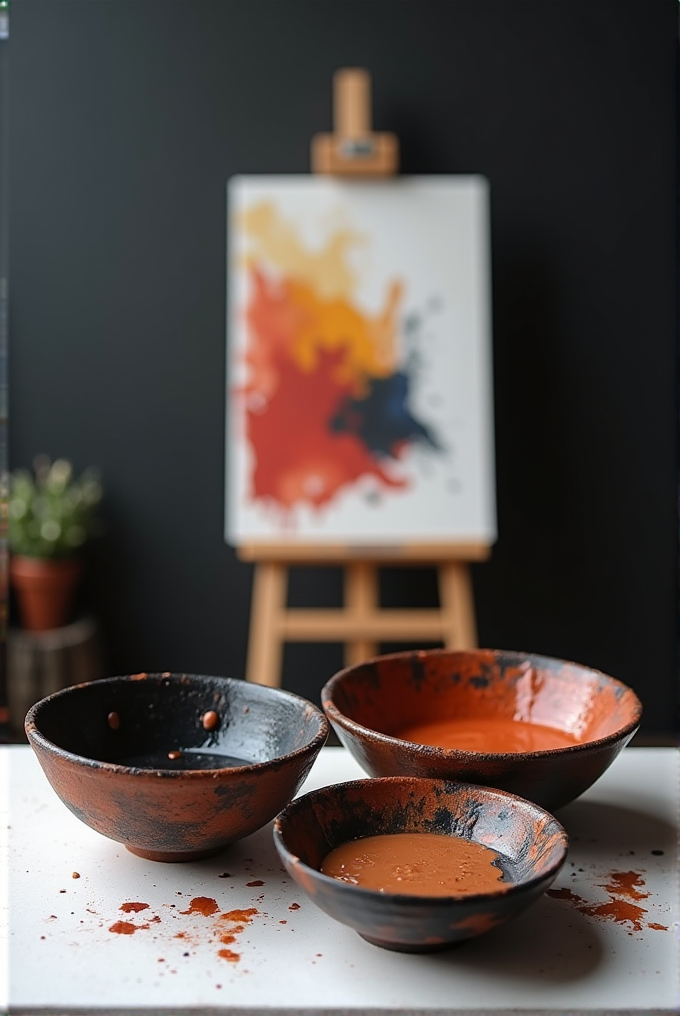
<point x="210" y="720"/>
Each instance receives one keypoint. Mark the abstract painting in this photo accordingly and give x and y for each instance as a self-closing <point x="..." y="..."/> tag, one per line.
<point x="359" y="398"/>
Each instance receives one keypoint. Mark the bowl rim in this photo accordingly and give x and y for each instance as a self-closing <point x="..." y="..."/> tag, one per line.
<point x="37" y="738"/>
<point x="411" y="899"/>
<point x="344" y="721"/>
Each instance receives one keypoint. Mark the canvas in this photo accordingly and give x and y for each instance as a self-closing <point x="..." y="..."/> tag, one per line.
<point x="359" y="391"/>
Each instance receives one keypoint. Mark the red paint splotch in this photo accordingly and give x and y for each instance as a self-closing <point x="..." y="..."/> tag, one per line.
<point x="257" y="882"/>
<point x="294" y="906"/>
<point x="622" y="887"/>
<point x="202" y="905"/>
<point x="133" y="908"/>
<point x="299" y="459"/>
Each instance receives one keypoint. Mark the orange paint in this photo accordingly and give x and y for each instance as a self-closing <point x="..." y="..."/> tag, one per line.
<point x="626" y="883"/>
<point x="658" y="927"/>
<point x="202" y="905"/>
<point x="240" y="916"/>
<point x="228" y="955"/>
<point x="621" y="884"/>
<point x="416" y="864"/>
<point x="487" y="735"/>
<point x="125" y="928"/>
<point x="617" y="910"/>
<point x="133" y="908"/>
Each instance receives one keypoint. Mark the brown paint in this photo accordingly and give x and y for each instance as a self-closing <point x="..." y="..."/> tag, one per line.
<point x="75" y="874"/>
<point x="240" y="916"/>
<point x="622" y="886"/>
<point x="210" y="720"/>
<point x="133" y="908"/>
<point x="202" y="905"/>
<point x="487" y="734"/>
<point x="174" y="755"/>
<point x="565" y="894"/>
<point x="416" y="864"/>
<point x="228" y="955"/>
<point x="294" y="906"/>
<point x="257" y="882"/>
<point x="657" y="927"/>
<point x="625" y="883"/>
<point x="113" y="720"/>
<point x="126" y="928"/>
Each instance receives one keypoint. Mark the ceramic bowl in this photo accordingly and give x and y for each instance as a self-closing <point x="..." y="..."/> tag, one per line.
<point x="532" y="845"/>
<point x="371" y="704"/>
<point x="175" y="766"/>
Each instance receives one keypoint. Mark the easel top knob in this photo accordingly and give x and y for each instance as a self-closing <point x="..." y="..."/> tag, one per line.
<point x="353" y="149"/>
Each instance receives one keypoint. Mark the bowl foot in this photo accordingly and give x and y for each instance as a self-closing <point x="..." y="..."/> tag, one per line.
<point x="174" y="855"/>
<point x="408" y="947"/>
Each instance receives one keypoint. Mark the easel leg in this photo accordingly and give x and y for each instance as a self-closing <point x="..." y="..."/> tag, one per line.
<point x="265" y="646"/>
<point x="361" y="599"/>
<point x="455" y="592"/>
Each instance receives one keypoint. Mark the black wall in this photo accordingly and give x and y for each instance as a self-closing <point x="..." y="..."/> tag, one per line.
<point x="126" y="121"/>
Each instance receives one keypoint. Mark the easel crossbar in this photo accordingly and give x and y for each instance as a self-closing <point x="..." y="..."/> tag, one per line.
<point x="321" y="625"/>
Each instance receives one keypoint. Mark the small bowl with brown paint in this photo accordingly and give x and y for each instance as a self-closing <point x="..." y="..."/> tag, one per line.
<point x="175" y="766"/>
<point x="530" y="848"/>
<point x="539" y="727"/>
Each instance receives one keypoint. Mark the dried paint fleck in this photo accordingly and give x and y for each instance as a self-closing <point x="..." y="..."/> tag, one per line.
<point x="204" y="905"/>
<point x="126" y="928"/>
<point x="622" y="886"/>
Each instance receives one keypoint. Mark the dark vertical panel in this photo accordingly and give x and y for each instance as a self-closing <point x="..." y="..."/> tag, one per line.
<point x="126" y="121"/>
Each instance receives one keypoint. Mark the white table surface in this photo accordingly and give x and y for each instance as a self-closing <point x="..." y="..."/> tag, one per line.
<point x="63" y="958"/>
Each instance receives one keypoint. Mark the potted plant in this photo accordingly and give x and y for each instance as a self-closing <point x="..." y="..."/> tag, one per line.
<point x="51" y="516"/>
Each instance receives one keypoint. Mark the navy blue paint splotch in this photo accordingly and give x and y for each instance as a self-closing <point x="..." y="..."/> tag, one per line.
<point x="382" y="420"/>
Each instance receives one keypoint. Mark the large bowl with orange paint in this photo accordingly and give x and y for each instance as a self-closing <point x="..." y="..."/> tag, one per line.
<point x="584" y="717"/>
<point x="175" y="766"/>
<point x="531" y="846"/>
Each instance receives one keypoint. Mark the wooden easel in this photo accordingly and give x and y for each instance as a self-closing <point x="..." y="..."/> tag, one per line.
<point x="355" y="150"/>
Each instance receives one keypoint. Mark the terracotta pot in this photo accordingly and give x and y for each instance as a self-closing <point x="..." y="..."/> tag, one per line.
<point x="44" y="590"/>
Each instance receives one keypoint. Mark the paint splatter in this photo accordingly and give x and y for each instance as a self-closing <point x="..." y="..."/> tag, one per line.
<point x="257" y="882"/>
<point x="126" y="928"/>
<point x="229" y="955"/>
<point x="133" y="908"/>
<point x="622" y="887"/>
<point x="240" y="916"/>
<point x="204" y="905"/>
<point x="327" y="393"/>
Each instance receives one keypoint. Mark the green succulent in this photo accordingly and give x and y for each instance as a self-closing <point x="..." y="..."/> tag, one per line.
<point x="51" y="513"/>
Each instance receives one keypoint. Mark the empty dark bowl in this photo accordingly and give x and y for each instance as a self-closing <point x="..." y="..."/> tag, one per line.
<point x="531" y="843"/>
<point x="370" y="705"/>
<point x="175" y="766"/>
